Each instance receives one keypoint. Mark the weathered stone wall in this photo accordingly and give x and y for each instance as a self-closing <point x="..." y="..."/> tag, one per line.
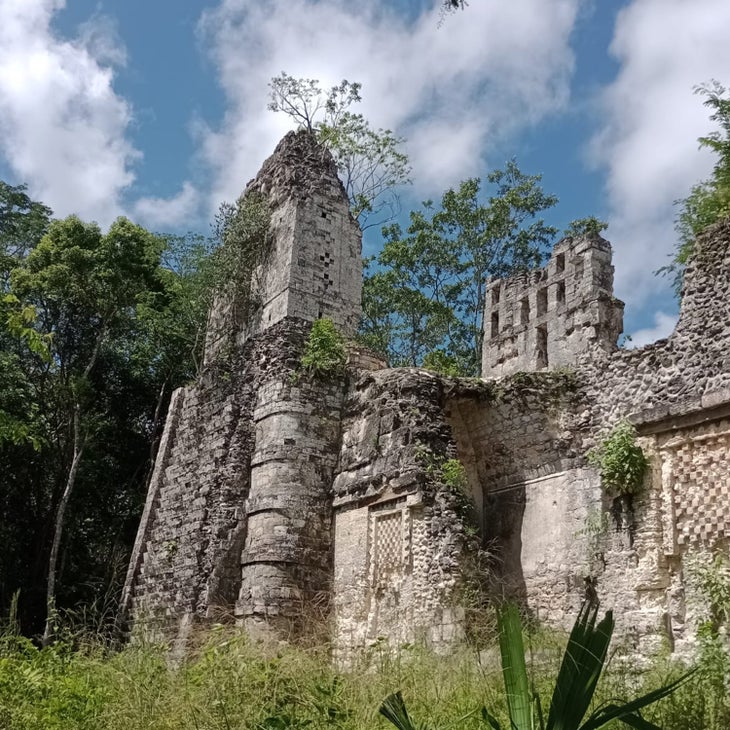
<point x="676" y="392"/>
<point x="187" y="556"/>
<point x="400" y="539"/>
<point x="211" y="476"/>
<point x="312" y="265"/>
<point x="280" y="498"/>
<point x="548" y="317"/>
<point x="286" y="562"/>
<point x="510" y="435"/>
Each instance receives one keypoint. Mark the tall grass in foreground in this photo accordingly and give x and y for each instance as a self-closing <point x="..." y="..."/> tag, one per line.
<point x="230" y="683"/>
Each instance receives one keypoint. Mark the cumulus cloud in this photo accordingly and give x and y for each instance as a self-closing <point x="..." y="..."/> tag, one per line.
<point x="651" y="121"/>
<point x="62" y="126"/>
<point x="662" y="327"/>
<point x="167" y="212"/>
<point x="452" y="91"/>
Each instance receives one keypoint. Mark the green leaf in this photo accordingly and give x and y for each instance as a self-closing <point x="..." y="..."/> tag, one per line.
<point x="627" y="712"/>
<point x="581" y="667"/>
<point x="394" y="709"/>
<point x="513" y="667"/>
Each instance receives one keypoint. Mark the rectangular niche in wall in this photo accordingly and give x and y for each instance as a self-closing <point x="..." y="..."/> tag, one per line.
<point x="542" y="301"/>
<point x="525" y="311"/>
<point x="560" y="293"/>
<point x="387" y="542"/>
<point x="541" y="347"/>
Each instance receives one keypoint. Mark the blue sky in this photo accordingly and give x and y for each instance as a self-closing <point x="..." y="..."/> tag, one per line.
<point x="156" y="109"/>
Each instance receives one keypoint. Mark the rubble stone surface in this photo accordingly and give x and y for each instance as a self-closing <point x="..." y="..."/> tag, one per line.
<point x="285" y="500"/>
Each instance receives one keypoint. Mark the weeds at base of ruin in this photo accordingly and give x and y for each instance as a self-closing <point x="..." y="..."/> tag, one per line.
<point x="229" y="682"/>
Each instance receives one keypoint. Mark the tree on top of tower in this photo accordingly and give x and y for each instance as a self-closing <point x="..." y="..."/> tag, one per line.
<point x="371" y="163"/>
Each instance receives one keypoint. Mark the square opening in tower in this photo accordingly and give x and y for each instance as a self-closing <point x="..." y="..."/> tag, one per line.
<point x="542" y="299"/>
<point x="541" y="347"/>
<point x="524" y="311"/>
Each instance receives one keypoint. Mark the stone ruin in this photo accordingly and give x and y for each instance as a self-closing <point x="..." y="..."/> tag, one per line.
<point x="290" y="502"/>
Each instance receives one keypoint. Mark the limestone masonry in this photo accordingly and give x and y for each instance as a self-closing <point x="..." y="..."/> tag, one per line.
<point x="290" y="501"/>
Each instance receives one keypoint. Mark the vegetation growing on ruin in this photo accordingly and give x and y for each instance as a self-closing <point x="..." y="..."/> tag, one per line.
<point x="231" y="683"/>
<point x="709" y="200"/>
<point x="590" y="226"/>
<point x="243" y="231"/>
<point x="442" y="363"/>
<point x="620" y="461"/>
<point x="371" y="163"/>
<point x="453" y="475"/>
<point x="325" y="354"/>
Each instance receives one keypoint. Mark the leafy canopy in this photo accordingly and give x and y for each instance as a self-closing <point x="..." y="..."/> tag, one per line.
<point x="370" y="162"/>
<point x="423" y="297"/>
<point x="709" y="200"/>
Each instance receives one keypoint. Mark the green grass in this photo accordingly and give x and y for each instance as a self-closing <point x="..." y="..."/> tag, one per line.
<point x="230" y="683"/>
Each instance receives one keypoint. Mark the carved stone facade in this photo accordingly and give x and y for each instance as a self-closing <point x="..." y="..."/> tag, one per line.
<point x="278" y="498"/>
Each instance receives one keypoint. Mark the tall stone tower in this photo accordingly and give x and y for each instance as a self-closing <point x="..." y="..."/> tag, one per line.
<point x="312" y="266"/>
<point x="238" y="516"/>
<point x="547" y="318"/>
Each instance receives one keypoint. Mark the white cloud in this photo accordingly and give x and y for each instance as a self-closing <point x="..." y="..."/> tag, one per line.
<point x="663" y="327"/>
<point x="648" y="139"/>
<point x="159" y="213"/>
<point x="62" y="126"/>
<point x="452" y="91"/>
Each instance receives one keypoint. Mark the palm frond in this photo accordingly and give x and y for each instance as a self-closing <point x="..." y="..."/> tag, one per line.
<point x="513" y="667"/>
<point x="581" y="668"/>
<point x="393" y="708"/>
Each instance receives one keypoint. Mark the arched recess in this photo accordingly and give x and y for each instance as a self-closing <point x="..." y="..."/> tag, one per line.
<point x="482" y="451"/>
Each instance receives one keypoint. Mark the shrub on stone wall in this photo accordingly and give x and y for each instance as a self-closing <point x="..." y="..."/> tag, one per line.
<point x="324" y="351"/>
<point x="620" y="461"/>
<point x="243" y="230"/>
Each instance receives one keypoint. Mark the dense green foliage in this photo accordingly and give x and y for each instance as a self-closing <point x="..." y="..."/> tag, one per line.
<point x="424" y="292"/>
<point x="230" y="683"/>
<point x="620" y="461"/>
<point x="324" y="351"/>
<point x="709" y="200"/>
<point x="96" y="329"/>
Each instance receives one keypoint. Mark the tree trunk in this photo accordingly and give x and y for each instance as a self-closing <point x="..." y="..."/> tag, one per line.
<point x="78" y="452"/>
<point x="79" y="443"/>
